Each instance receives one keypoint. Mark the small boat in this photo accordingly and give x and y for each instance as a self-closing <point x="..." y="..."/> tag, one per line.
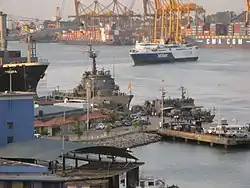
<point x="155" y="53"/>
<point x="151" y="182"/>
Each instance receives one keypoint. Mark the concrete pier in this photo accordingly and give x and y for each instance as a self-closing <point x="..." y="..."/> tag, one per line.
<point x="203" y="138"/>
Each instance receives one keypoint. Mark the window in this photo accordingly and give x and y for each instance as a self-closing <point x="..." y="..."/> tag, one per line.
<point x="10" y="139"/>
<point x="142" y="183"/>
<point x="151" y="183"/>
<point x="10" y="125"/>
<point x="27" y="184"/>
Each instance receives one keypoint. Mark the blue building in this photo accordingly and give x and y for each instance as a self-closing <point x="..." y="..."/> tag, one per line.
<point x="16" y="117"/>
<point x="18" y="174"/>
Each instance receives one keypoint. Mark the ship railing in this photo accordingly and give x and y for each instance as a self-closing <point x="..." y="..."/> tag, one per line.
<point x="16" y="60"/>
<point x="66" y="91"/>
<point x="43" y="60"/>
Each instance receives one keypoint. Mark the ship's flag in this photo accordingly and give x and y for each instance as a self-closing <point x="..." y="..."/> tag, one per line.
<point x="129" y="85"/>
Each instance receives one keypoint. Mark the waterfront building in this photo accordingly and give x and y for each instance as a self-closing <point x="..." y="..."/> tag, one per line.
<point x="16" y="117"/>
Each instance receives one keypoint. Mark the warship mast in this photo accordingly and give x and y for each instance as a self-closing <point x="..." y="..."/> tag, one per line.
<point x="183" y="92"/>
<point x="93" y="55"/>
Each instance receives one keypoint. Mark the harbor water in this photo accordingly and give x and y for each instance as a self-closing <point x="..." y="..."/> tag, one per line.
<point x="218" y="79"/>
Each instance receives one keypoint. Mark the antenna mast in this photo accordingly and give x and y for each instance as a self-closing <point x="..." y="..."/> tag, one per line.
<point x="93" y="55"/>
<point x="183" y="92"/>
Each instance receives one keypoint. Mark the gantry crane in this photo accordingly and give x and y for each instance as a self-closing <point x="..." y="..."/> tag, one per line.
<point x="247" y="10"/>
<point x="171" y="12"/>
<point x="58" y="17"/>
<point x="113" y="12"/>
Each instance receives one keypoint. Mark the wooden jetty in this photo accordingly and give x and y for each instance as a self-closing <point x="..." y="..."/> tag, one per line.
<point x="203" y="138"/>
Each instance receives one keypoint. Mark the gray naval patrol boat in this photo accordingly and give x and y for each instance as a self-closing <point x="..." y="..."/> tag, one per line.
<point x="183" y="106"/>
<point x="99" y="87"/>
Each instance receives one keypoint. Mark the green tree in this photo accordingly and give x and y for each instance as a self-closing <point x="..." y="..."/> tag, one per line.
<point x="44" y="132"/>
<point x="112" y="117"/>
<point x="77" y="129"/>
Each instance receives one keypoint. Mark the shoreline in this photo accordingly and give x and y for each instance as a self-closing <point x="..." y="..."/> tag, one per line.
<point x="130" y="140"/>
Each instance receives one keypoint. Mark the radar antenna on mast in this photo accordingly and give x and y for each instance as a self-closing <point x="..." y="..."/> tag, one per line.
<point x="93" y="55"/>
<point x="183" y="92"/>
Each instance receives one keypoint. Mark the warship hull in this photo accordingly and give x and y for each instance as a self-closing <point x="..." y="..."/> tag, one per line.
<point x="24" y="77"/>
<point x="119" y="102"/>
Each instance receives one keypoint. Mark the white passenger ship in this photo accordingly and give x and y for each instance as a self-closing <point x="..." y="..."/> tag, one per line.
<point x="153" y="53"/>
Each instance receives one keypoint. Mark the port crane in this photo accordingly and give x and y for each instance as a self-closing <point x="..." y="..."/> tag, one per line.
<point x="247" y="10"/>
<point x="170" y="13"/>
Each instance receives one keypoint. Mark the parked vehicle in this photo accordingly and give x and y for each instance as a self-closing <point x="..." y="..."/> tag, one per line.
<point x="237" y="134"/>
<point x="100" y="126"/>
<point x="118" y="124"/>
<point x="127" y="123"/>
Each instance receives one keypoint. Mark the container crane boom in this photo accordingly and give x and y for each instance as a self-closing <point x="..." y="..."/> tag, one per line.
<point x="247" y="10"/>
<point x="157" y="13"/>
<point x="76" y="3"/>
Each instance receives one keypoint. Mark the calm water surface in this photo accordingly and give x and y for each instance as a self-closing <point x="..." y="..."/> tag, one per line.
<point x="219" y="79"/>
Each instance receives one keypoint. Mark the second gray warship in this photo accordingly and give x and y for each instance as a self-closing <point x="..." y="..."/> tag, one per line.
<point x="99" y="87"/>
<point x="184" y="107"/>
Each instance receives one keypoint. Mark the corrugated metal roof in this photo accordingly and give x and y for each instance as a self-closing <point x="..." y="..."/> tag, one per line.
<point x="40" y="149"/>
<point x="58" y="121"/>
<point x="43" y="178"/>
<point x="51" y="109"/>
<point x="4" y="162"/>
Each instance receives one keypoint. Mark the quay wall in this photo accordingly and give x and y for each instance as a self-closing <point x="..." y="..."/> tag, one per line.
<point x="204" y="138"/>
<point x="128" y="140"/>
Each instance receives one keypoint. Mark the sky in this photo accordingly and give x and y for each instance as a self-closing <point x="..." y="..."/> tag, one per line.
<point x="45" y="9"/>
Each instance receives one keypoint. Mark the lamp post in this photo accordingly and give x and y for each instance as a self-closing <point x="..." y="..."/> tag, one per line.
<point x="88" y="90"/>
<point x="10" y="72"/>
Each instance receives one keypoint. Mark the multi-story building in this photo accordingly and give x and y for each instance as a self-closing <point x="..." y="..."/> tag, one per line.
<point x="16" y="117"/>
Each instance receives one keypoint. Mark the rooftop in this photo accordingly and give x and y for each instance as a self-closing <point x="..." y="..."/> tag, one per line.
<point x="99" y="170"/>
<point x="9" y="177"/>
<point x="16" y="94"/>
<point x="40" y="149"/>
<point x="51" y="109"/>
<point x="51" y="150"/>
<point x="58" y="121"/>
<point x="4" y="162"/>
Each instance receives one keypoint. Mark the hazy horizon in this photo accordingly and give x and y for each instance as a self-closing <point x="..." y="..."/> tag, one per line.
<point x="46" y="9"/>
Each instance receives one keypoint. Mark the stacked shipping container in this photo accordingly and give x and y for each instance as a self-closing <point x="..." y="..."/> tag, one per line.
<point x="248" y="30"/>
<point x="200" y="30"/>
<point x="82" y="35"/>
<point x="193" y="30"/>
<point x="240" y="29"/>
<point x="217" y="29"/>
<point x="197" y="30"/>
<point x="212" y="29"/>
<point x="230" y="29"/>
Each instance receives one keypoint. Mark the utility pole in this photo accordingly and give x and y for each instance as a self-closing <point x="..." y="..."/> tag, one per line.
<point x="163" y="93"/>
<point x="88" y="90"/>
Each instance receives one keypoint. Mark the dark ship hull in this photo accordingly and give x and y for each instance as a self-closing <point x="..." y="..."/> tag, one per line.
<point x="153" y="58"/>
<point x="123" y="100"/>
<point x="87" y="42"/>
<point x="25" y="77"/>
<point x="42" y="39"/>
<point x="221" y="41"/>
